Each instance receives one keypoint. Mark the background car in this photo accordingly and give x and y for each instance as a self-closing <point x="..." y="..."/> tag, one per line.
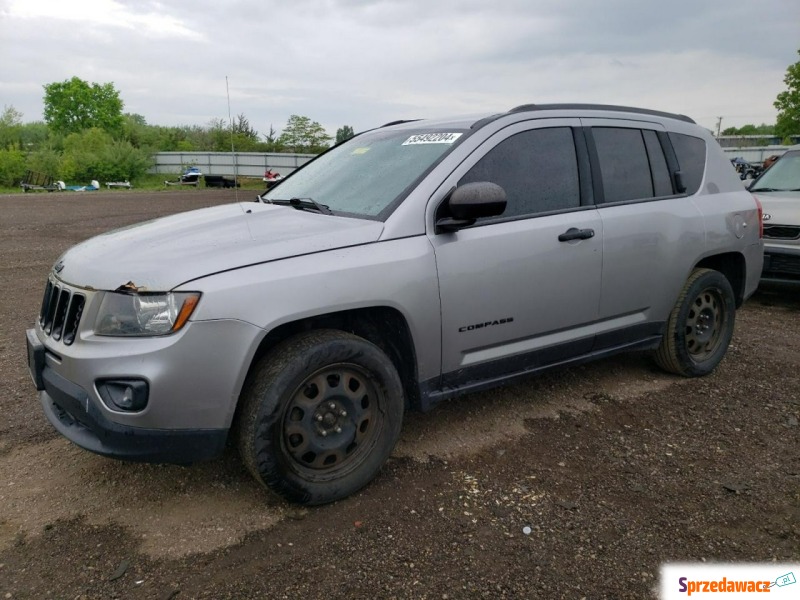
<point x="778" y="189"/>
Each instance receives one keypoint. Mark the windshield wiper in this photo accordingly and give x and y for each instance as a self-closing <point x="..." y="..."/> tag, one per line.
<point x="765" y="189"/>
<point x="302" y="204"/>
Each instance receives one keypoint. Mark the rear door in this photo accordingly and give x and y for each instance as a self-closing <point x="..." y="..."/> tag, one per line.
<point x="649" y="229"/>
<point x="513" y="296"/>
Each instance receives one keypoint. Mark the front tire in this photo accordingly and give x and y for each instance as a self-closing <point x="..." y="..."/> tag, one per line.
<point x="700" y="326"/>
<point x="321" y="414"/>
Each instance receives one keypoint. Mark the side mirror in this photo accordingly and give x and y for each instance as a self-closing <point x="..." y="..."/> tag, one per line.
<point x="470" y="202"/>
<point x="748" y="183"/>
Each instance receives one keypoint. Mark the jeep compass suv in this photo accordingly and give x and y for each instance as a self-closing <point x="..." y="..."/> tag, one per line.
<point x="412" y="263"/>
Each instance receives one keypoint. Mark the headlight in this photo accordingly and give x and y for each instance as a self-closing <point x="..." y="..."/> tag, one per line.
<point x="144" y="314"/>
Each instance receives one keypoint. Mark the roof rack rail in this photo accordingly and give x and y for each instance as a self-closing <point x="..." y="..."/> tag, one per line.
<point x="398" y="122"/>
<point x="485" y="121"/>
<point x="630" y="109"/>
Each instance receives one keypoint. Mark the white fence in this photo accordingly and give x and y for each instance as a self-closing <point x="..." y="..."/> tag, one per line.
<point x="757" y="154"/>
<point x="253" y="164"/>
<point x="242" y="164"/>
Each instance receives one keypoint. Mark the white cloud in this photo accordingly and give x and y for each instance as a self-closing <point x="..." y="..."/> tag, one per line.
<point x="365" y="62"/>
<point x="100" y="14"/>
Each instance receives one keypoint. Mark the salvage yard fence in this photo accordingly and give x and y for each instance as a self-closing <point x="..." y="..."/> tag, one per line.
<point x="241" y="164"/>
<point x="757" y="154"/>
<point x="254" y="164"/>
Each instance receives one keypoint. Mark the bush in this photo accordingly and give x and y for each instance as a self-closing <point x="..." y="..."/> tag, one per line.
<point x="93" y="154"/>
<point x="120" y="160"/>
<point x="12" y="167"/>
<point x="47" y="162"/>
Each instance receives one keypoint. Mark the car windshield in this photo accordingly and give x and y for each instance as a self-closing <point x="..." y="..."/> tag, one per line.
<point x="367" y="174"/>
<point x="784" y="175"/>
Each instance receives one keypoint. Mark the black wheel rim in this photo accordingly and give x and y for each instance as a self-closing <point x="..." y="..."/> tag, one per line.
<point x="332" y="421"/>
<point x="705" y="324"/>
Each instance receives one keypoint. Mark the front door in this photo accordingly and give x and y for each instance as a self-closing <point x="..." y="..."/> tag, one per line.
<point x="514" y="296"/>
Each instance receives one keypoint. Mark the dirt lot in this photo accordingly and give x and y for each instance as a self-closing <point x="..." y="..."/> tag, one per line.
<point x="614" y="467"/>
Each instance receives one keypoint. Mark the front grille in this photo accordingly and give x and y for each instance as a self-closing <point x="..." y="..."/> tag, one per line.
<point x="782" y="232"/>
<point x="61" y="312"/>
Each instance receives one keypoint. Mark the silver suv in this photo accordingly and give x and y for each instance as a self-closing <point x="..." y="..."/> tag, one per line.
<point x="413" y="263"/>
<point x="778" y="189"/>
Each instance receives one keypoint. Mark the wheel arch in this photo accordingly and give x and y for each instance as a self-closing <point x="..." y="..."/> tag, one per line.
<point x="733" y="266"/>
<point x="384" y="326"/>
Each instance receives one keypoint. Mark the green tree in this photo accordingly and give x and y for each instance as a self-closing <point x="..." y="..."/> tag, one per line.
<point x="788" y="103"/>
<point x="750" y="129"/>
<point x="74" y="105"/>
<point x="34" y="136"/>
<point x="345" y="132"/>
<point x="10" y="117"/>
<point x="271" y="142"/>
<point x="220" y="135"/>
<point x="10" y="127"/>
<point x="136" y="130"/>
<point x="241" y="126"/>
<point x="301" y="134"/>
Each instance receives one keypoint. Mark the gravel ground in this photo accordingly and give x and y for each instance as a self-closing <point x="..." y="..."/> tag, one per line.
<point x="576" y="484"/>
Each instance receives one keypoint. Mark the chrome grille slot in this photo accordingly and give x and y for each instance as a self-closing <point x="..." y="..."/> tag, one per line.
<point x="50" y="313"/>
<point x="62" y="306"/>
<point x="61" y="312"/>
<point x="73" y="318"/>
<point x="45" y="301"/>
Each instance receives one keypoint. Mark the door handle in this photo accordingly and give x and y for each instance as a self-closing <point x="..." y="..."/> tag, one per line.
<point x="573" y="233"/>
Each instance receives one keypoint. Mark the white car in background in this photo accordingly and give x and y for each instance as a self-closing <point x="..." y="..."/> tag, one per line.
<point x="778" y="189"/>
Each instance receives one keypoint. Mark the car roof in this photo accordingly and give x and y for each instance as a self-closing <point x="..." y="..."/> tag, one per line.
<point x="475" y="121"/>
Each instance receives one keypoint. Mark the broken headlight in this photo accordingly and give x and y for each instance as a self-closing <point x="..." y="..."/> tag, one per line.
<point x="144" y="314"/>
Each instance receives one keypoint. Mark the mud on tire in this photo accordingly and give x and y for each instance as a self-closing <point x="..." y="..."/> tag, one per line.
<point x="700" y="325"/>
<point x="321" y="414"/>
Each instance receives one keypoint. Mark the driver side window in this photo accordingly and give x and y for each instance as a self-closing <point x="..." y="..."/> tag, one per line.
<point x="538" y="169"/>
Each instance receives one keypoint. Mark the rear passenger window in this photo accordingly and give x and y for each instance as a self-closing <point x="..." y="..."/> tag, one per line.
<point x="538" y="169"/>
<point x="623" y="164"/>
<point x="662" y="185"/>
<point x="691" y="153"/>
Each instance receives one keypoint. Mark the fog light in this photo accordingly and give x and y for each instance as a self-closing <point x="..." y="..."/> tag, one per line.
<point x="129" y="395"/>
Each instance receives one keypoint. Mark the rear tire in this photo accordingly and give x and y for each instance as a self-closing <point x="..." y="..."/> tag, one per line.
<point x="700" y="325"/>
<point x="321" y="414"/>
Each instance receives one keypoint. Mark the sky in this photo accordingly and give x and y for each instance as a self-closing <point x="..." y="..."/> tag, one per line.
<point x="366" y="62"/>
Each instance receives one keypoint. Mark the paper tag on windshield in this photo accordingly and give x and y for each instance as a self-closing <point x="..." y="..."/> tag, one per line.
<point x="432" y="138"/>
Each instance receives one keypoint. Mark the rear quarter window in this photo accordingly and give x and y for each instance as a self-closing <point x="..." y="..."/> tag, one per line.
<point x="691" y="153"/>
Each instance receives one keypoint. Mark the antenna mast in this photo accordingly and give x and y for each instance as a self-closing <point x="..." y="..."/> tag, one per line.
<point x="233" y="150"/>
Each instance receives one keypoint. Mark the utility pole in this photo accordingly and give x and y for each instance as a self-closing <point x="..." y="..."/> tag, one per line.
<point x="719" y="125"/>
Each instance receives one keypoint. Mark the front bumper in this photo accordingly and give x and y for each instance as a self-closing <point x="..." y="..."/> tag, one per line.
<point x="69" y="410"/>
<point x="781" y="265"/>
<point x="194" y="378"/>
<point x="74" y="415"/>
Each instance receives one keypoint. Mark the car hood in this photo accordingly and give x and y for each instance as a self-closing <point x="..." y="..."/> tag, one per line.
<point x="783" y="208"/>
<point x="159" y="255"/>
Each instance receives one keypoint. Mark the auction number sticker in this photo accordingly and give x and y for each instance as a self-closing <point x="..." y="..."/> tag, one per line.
<point x="432" y="138"/>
